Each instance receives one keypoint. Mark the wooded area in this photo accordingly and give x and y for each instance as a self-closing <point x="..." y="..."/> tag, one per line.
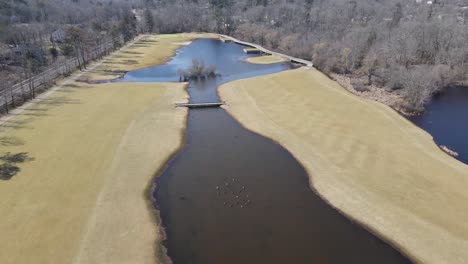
<point x="414" y="47"/>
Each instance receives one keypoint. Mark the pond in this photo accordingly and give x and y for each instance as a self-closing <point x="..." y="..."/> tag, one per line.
<point x="233" y="196"/>
<point x="446" y="119"/>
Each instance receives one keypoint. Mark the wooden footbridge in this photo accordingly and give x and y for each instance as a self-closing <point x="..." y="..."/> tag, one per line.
<point x="199" y="105"/>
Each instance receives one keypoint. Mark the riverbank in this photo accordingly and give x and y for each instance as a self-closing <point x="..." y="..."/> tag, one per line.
<point x="85" y="158"/>
<point x="363" y="158"/>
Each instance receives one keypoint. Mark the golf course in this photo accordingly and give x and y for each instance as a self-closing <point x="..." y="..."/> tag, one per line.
<point x="79" y="163"/>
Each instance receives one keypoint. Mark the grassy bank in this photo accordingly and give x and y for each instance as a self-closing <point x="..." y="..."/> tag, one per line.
<point x="85" y="157"/>
<point x="363" y="158"/>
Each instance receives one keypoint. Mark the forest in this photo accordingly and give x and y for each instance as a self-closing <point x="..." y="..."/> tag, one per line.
<point x="413" y="48"/>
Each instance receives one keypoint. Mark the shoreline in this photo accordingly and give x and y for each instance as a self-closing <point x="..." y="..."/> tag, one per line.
<point x="151" y="203"/>
<point x="153" y="185"/>
<point x="161" y="246"/>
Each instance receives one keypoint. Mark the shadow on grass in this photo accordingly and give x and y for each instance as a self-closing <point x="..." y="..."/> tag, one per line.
<point x="31" y="114"/>
<point x="131" y="52"/>
<point x="111" y="72"/>
<point x="16" y="124"/>
<point x="58" y="101"/>
<point x="35" y="109"/>
<point x="130" y="62"/>
<point x="74" y="88"/>
<point x="147" y="41"/>
<point x="10" y="141"/>
<point x="24" y="113"/>
<point x="9" y="167"/>
<point x="71" y="85"/>
<point x="141" y="45"/>
<point x="65" y="91"/>
<point x="120" y="57"/>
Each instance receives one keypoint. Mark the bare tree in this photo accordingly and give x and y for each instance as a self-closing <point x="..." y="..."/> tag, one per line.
<point x="418" y="86"/>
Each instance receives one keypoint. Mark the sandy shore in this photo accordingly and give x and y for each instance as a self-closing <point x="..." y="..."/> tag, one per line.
<point x="364" y="159"/>
<point x="82" y="197"/>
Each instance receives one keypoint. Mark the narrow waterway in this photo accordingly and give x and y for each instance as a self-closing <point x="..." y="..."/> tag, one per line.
<point x="446" y="119"/>
<point x="233" y="196"/>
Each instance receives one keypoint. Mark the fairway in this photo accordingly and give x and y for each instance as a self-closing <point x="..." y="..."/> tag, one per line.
<point x="90" y="152"/>
<point x="364" y="159"/>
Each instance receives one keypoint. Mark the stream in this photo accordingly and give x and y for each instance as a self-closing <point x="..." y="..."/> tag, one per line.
<point x="233" y="196"/>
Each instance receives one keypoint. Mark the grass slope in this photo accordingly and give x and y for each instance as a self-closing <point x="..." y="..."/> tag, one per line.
<point x="364" y="158"/>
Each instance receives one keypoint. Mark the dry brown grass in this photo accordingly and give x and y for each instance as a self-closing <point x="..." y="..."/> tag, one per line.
<point x="364" y="158"/>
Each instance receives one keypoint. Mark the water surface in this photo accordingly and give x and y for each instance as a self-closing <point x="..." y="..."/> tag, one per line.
<point x="446" y="119"/>
<point x="233" y="196"/>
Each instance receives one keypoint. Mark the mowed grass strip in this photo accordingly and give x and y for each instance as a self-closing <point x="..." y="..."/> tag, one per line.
<point x="364" y="158"/>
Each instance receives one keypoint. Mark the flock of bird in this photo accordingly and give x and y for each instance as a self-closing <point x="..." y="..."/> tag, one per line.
<point x="233" y="194"/>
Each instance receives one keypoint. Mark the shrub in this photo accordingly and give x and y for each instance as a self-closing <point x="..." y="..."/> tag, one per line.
<point x="197" y="70"/>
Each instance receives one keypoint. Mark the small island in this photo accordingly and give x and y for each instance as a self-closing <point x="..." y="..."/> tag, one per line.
<point x="267" y="59"/>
